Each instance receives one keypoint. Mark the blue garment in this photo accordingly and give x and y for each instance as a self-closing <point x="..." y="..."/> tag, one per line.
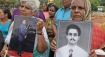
<point x="22" y="32"/>
<point x="4" y="28"/>
<point x="61" y="14"/>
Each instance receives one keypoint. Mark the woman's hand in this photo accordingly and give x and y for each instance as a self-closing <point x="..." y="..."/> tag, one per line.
<point x="2" y="53"/>
<point x="53" y="45"/>
<point x="40" y="25"/>
<point x="92" y="53"/>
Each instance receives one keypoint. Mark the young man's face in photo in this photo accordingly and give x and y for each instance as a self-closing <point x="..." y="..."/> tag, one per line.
<point x="73" y="36"/>
<point x="24" y="22"/>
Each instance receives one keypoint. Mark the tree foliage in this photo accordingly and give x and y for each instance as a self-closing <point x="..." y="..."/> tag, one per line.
<point x="11" y="3"/>
<point x="58" y="3"/>
<point x="95" y="3"/>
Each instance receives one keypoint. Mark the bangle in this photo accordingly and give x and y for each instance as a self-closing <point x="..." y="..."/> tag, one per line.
<point x="39" y="33"/>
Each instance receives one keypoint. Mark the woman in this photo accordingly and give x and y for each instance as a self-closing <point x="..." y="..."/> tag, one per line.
<point x="5" y="21"/>
<point x="44" y="10"/>
<point x="41" y="48"/>
<point x="80" y="10"/>
<point x="51" y="10"/>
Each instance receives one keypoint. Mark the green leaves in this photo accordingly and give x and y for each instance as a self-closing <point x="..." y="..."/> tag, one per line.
<point x="12" y="3"/>
<point x="95" y="3"/>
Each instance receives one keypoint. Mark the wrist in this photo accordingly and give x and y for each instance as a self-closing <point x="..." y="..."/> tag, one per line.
<point x="39" y="32"/>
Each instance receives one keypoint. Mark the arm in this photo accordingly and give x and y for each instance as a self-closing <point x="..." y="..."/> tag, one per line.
<point x="42" y="45"/>
<point x="54" y="27"/>
<point x="2" y="53"/>
<point x="7" y="41"/>
<point x="53" y="45"/>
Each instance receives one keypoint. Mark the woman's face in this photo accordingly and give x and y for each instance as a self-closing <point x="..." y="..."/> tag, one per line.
<point x="51" y="11"/>
<point x="44" y="7"/>
<point x="78" y="9"/>
<point x="25" y="10"/>
<point x="2" y="15"/>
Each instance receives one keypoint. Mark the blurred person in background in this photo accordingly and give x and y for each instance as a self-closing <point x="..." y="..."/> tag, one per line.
<point x="5" y="21"/>
<point x="44" y="10"/>
<point x="52" y="9"/>
<point x="63" y="13"/>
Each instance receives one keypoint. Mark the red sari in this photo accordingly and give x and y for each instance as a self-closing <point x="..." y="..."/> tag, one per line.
<point x="98" y="37"/>
<point x="25" y="54"/>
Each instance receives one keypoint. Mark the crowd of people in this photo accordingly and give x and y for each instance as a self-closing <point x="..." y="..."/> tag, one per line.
<point x="48" y="17"/>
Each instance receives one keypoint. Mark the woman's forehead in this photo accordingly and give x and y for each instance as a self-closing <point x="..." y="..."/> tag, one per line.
<point x="26" y="5"/>
<point x="78" y="3"/>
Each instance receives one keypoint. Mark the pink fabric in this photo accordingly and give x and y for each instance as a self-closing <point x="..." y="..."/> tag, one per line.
<point x="46" y="14"/>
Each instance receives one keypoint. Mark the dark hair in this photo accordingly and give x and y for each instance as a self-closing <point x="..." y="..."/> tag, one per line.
<point x="6" y="11"/>
<point x="73" y="26"/>
<point x="44" y="3"/>
<point x="53" y="5"/>
<point x="56" y="7"/>
<point x="49" y="5"/>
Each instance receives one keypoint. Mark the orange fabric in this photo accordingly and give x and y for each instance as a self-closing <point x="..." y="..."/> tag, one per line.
<point x="98" y="37"/>
<point x="103" y="26"/>
<point x="14" y="53"/>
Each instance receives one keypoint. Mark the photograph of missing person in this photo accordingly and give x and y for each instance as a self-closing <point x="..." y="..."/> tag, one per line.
<point x="74" y="39"/>
<point x="23" y="35"/>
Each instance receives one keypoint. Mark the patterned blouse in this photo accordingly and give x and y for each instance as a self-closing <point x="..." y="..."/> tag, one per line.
<point x="49" y="27"/>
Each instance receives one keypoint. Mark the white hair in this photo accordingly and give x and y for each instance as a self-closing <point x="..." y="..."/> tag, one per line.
<point x="33" y="3"/>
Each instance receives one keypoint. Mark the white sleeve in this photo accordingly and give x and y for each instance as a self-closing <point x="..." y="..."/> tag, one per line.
<point x="45" y="34"/>
<point x="7" y="40"/>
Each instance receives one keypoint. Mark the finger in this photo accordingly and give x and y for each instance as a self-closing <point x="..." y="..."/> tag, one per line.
<point x="91" y="52"/>
<point x="40" y="24"/>
<point x="53" y="43"/>
<point x="40" y="20"/>
<point x="53" y="47"/>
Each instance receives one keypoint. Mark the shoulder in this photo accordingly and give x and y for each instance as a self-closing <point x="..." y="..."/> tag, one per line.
<point x="82" y="50"/>
<point x="60" y="9"/>
<point x="63" y="48"/>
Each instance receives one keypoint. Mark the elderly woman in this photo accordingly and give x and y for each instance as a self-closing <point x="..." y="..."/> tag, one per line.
<point x="41" y="48"/>
<point x="80" y="10"/>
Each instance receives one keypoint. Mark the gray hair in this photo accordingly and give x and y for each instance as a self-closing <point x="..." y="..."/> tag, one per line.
<point x="87" y="15"/>
<point x="33" y="3"/>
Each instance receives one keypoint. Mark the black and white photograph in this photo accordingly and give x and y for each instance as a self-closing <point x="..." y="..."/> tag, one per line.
<point x="23" y="35"/>
<point x="74" y="38"/>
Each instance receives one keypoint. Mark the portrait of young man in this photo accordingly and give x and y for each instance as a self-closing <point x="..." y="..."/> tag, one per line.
<point x="72" y="49"/>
